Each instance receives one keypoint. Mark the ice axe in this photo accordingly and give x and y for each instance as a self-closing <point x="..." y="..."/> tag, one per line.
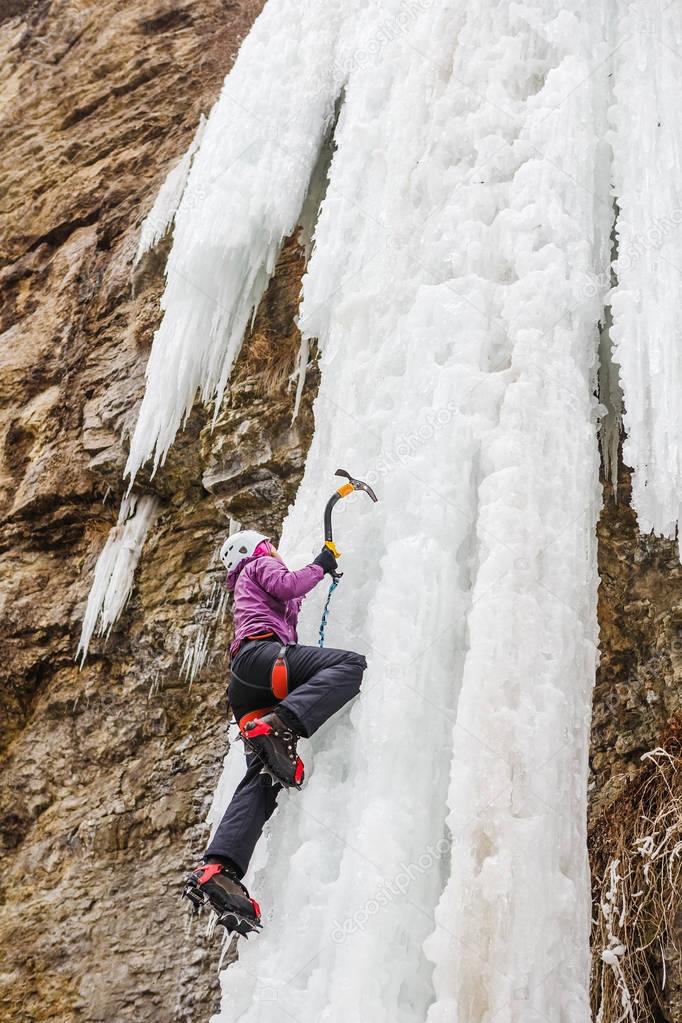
<point x="342" y="491"/>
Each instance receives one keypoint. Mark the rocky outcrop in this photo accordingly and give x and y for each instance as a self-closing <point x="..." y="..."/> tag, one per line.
<point x="107" y="771"/>
<point x="638" y="709"/>
<point x="639" y="682"/>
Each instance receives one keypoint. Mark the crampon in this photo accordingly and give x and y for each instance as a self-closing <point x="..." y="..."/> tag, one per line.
<point x="214" y="886"/>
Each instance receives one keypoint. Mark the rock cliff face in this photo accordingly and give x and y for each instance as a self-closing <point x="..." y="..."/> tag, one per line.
<point x="639" y="682"/>
<point x="637" y="709"/>
<point x="107" y="771"/>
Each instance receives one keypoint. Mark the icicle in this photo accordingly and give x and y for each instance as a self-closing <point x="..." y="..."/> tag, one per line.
<point x="115" y="569"/>
<point x="299" y="373"/>
<point x="252" y="171"/>
<point x="210" y="614"/>
<point x="225" y="948"/>
<point x="196" y="654"/>
<point x="611" y="397"/>
<point x="160" y="218"/>
<point x="154" y="686"/>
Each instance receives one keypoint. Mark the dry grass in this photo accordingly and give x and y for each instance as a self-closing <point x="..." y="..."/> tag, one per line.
<point x="273" y="360"/>
<point x="637" y="875"/>
<point x="273" y="345"/>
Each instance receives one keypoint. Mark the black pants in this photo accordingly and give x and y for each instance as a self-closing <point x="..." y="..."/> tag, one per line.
<point x="321" y="682"/>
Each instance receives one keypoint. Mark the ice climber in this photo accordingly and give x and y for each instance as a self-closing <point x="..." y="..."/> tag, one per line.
<point x="279" y="691"/>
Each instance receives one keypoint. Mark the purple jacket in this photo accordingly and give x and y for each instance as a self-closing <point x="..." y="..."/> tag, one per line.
<point x="268" y="597"/>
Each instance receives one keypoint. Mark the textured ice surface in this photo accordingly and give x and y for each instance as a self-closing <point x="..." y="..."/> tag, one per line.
<point x="647" y="308"/>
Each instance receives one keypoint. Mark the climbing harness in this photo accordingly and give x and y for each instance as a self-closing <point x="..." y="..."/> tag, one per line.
<point x="279" y="684"/>
<point x="342" y="491"/>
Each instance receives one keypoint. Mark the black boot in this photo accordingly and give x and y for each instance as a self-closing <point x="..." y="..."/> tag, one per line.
<point x="274" y="743"/>
<point x="219" y="887"/>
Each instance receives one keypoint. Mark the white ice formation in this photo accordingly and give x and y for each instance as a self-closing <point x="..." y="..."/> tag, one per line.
<point x="115" y="569"/>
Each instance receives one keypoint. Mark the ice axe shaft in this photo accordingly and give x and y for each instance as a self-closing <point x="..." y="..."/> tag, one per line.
<point x="342" y="491"/>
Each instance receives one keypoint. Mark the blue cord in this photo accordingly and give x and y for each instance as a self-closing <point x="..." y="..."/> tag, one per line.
<point x="323" y="623"/>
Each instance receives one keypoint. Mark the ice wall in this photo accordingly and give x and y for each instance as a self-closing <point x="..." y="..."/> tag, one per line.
<point x="647" y="309"/>
<point x="434" y="867"/>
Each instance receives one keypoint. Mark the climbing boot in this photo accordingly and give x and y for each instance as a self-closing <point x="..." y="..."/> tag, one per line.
<point x="218" y="887"/>
<point x="274" y="743"/>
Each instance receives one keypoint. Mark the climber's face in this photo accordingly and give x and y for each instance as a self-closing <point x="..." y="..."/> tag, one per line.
<point x="274" y="552"/>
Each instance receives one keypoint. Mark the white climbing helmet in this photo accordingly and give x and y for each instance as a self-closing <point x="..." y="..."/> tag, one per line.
<point x="238" y="546"/>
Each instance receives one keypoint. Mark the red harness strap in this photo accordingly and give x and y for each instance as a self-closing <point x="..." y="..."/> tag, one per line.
<point x="279" y="679"/>
<point x="251" y="716"/>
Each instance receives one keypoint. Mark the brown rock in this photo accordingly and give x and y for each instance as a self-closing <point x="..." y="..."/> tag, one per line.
<point x="637" y="701"/>
<point x="107" y="773"/>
